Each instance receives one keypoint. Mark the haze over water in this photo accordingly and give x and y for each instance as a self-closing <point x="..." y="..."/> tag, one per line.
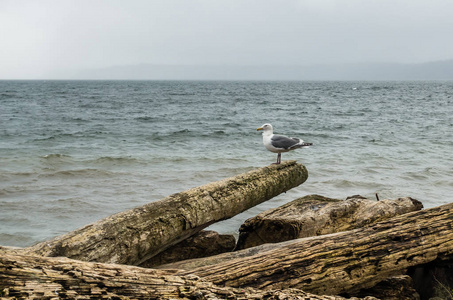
<point x="72" y="152"/>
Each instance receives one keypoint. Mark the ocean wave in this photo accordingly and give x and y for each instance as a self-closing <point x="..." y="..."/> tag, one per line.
<point x="146" y="119"/>
<point x="420" y="176"/>
<point x="5" y="192"/>
<point x="113" y="158"/>
<point x="106" y="161"/>
<point x="56" y="156"/>
<point x="65" y="137"/>
<point x="47" y="138"/>
<point x="379" y="88"/>
<point x="353" y="183"/>
<point x="6" y="95"/>
<point x="77" y="120"/>
<point x="71" y="202"/>
<point x="216" y="133"/>
<point x="56" y="160"/>
<point x="173" y="134"/>
<point x="82" y="173"/>
<point x="180" y="132"/>
<point x="181" y="94"/>
<point x="9" y="175"/>
<point x="307" y="135"/>
<point x="16" y="239"/>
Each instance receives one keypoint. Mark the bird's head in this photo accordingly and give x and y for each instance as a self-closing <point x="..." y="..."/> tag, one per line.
<point x="266" y="128"/>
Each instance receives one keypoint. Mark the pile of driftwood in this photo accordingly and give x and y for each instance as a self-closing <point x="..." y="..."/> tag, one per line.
<point x="311" y="248"/>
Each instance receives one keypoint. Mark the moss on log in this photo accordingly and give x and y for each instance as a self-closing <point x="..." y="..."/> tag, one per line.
<point x="345" y="262"/>
<point x="134" y="236"/>
<point x="33" y="277"/>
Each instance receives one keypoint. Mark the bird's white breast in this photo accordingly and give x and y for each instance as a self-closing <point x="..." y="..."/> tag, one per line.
<point x="268" y="144"/>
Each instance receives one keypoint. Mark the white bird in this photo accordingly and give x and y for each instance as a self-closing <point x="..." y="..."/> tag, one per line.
<point x="280" y="143"/>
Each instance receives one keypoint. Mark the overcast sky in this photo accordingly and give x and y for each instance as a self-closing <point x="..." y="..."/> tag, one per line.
<point x="38" y="38"/>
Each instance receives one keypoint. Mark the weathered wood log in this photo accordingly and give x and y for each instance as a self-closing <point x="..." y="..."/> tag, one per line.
<point x="317" y="215"/>
<point x="307" y="216"/>
<point x="202" y="244"/>
<point x="134" y="236"/>
<point x="345" y="262"/>
<point x="34" y="277"/>
<point x="191" y="264"/>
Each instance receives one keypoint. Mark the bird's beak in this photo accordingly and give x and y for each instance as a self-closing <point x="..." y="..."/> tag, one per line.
<point x="260" y="128"/>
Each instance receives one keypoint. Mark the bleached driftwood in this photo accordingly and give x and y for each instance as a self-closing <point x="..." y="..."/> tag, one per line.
<point x="342" y="262"/>
<point x="307" y="216"/>
<point x="33" y="277"/>
<point x="134" y="236"/>
<point x="317" y="215"/>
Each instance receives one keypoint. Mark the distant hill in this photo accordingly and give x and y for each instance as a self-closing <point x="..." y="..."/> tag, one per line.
<point x="440" y="70"/>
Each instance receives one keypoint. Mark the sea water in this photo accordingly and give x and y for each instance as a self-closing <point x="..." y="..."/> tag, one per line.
<point x="73" y="152"/>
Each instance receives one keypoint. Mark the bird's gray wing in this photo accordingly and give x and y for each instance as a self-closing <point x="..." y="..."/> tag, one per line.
<point x="283" y="142"/>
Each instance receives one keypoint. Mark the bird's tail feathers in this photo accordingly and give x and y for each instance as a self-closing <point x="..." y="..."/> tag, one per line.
<point x="305" y="144"/>
<point x="301" y="145"/>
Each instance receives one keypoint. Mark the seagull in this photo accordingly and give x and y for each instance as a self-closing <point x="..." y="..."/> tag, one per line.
<point x="280" y="143"/>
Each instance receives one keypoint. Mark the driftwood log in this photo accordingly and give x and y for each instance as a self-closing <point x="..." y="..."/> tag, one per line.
<point x="347" y="263"/>
<point x="343" y="263"/>
<point x="33" y="277"/>
<point x="317" y="215"/>
<point x="134" y="236"/>
<point x="205" y="243"/>
<point x="307" y="216"/>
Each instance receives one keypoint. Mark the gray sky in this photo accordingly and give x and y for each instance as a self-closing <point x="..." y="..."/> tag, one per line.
<point x="38" y="38"/>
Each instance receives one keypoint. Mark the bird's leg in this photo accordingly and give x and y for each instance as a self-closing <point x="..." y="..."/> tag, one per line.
<point x="279" y="159"/>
